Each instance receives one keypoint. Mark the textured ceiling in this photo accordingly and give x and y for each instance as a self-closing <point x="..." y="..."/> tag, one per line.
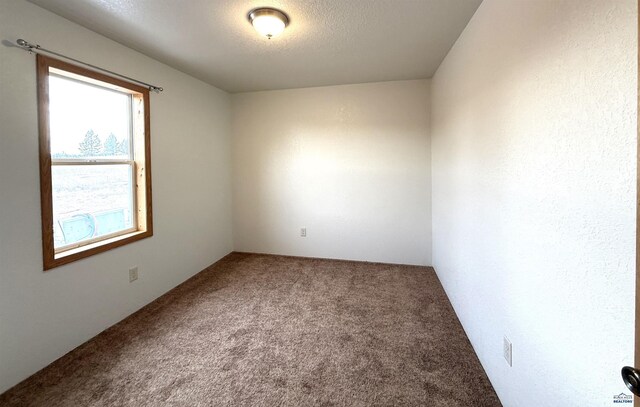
<point x="328" y="42"/>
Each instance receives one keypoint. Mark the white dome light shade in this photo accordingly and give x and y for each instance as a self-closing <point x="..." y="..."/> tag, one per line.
<point x="269" y="26"/>
<point x="268" y="21"/>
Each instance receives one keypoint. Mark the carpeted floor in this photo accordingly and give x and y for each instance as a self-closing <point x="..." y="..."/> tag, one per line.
<point x="261" y="330"/>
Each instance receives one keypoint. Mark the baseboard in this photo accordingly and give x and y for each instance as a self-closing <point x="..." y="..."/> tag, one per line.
<point x="329" y="259"/>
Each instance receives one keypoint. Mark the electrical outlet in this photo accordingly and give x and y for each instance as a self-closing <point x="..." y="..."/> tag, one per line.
<point x="303" y="232"/>
<point x="507" y="351"/>
<point x="133" y="274"/>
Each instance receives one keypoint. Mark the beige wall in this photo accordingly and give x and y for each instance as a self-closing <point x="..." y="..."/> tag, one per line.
<point x="350" y="163"/>
<point x="44" y="315"/>
<point x="534" y="184"/>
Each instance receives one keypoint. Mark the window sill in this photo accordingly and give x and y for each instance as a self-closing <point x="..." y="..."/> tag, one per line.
<point x="82" y="252"/>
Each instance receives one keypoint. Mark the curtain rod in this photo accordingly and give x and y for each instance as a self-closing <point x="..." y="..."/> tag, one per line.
<point x="27" y="46"/>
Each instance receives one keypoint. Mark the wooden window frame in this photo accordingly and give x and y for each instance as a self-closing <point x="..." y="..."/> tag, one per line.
<point x="141" y="157"/>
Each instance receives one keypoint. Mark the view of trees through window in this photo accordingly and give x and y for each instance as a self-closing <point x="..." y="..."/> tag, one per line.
<point x="92" y="165"/>
<point x="93" y="146"/>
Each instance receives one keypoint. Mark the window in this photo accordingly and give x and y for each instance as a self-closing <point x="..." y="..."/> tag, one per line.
<point x="95" y="164"/>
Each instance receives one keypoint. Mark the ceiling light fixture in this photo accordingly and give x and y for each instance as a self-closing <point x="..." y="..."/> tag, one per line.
<point x="268" y="21"/>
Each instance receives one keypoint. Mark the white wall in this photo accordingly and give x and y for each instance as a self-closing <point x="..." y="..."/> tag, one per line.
<point x="534" y="162"/>
<point x="44" y="315"/>
<point x="350" y="163"/>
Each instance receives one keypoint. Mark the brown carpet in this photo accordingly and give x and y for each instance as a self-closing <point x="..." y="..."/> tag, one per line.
<point x="261" y="330"/>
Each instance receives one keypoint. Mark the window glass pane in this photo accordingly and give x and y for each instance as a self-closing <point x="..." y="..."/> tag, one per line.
<point x="90" y="201"/>
<point x="87" y="121"/>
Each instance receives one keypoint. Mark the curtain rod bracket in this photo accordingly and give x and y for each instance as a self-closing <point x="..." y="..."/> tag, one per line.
<point x="27" y="46"/>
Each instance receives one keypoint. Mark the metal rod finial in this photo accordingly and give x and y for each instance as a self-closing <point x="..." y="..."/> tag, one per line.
<point x="26" y="44"/>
